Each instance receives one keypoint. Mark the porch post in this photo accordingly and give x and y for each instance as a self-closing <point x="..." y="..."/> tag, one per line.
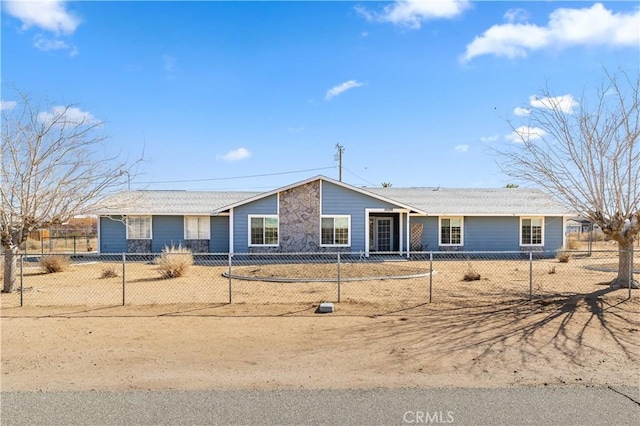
<point x="408" y="236"/>
<point x="401" y="233"/>
<point x="231" y="248"/>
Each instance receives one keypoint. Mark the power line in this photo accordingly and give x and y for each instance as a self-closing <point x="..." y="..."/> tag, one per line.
<point x="234" y="177"/>
<point x="361" y="178"/>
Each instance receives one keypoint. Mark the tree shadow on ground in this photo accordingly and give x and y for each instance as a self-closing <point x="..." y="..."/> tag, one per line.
<point x="577" y="328"/>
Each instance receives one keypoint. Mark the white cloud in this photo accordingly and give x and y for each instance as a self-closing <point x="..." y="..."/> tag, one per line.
<point x="594" y="26"/>
<point x="491" y="138"/>
<point x="521" y="112"/>
<point x="7" y="105"/>
<point x="526" y="133"/>
<point x="461" y="148"/>
<point x="411" y="13"/>
<point x="341" y="88"/>
<point x="45" y="45"/>
<point x="67" y="115"/>
<point x="237" y="154"/>
<point x="49" y="15"/>
<point x="564" y="103"/>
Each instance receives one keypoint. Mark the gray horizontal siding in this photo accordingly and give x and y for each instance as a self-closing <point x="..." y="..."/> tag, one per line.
<point x="167" y="231"/>
<point x="338" y="200"/>
<point x="113" y="235"/>
<point x="219" y="242"/>
<point x="263" y="206"/>
<point x="429" y="231"/>
<point x="491" y="233"/>
<point x="501" y="233"/>
<point x="553" y="233"/>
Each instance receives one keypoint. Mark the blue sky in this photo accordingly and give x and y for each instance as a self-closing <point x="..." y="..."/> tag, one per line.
<point x="214" y="92"/>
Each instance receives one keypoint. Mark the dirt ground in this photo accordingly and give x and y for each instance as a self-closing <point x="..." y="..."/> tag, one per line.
<point x="562" y="340"/>
<point x="396" y="284"/>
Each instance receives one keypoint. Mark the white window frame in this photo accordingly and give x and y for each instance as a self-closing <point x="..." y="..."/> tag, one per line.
<point x="129" y="228"/>
<point x="440" y="219"/>
<point x="203" y="231"/>
<point x="263" y="217"/>
<point x="541" y="218"/>
<point x="336" y="216"/>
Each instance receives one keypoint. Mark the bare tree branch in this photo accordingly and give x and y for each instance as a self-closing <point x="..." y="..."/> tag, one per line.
<point x="52" y="168"/>
<point x="588" y="157"/>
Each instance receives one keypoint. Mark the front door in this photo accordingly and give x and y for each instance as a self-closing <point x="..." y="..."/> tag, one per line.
<point x="381" y="233"/>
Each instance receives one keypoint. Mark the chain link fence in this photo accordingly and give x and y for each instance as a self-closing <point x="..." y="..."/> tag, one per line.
<point x="72" y="244"/>
<point x="384" y="281"/>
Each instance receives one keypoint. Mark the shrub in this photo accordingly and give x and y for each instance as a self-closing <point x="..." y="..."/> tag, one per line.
<point x="471" y="274"/>
<point x="564" y="257"/>
<point x="109" y="272"/>
<point x="174" y="261"/>
<point x="54" y="263"/>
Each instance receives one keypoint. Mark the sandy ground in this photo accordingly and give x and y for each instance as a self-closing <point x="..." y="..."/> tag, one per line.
<point x="593" y="340"/>
<point x="404" y="285"/>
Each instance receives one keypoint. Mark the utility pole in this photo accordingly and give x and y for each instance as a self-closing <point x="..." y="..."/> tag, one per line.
<point x="338" y="157"/>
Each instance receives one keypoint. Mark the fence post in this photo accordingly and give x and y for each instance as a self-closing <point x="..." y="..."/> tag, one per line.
<point x="230" y="286"/>
<point x="124" y="280"/>
<point x="530" y="275"/>
<point x="74" y="246"/>
<point x="430" y="274"/>
<point x="21" y="280"/>
<point x="42" y="245"/>
<point x="338" y="276"/>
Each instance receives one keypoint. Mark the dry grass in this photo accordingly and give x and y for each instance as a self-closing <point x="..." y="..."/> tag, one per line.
<point x="174" y="262"/>
<point x="471" y="274"/>
<point x="109" y="272"/>
<point x="55" y="263"/>
<point x="564" y="257"/>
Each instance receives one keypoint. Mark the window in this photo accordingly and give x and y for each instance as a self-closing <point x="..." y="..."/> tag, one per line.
<point x="197" y="227"/>
<point x="263" y="230"/>
<point x="139" y="227"/>
<point x="334" y="231"/>
<point x="451" y="231"/>
<point x="531" y="231"/>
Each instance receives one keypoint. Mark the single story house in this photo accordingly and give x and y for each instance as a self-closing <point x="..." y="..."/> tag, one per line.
<point x="322" y="214"/>
<point x="580" y="225"/>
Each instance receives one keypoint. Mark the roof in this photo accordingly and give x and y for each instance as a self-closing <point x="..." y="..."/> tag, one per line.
<point x="476" y="201"/>
<point x="171" y="202"/>
<point x="422" y="200"/>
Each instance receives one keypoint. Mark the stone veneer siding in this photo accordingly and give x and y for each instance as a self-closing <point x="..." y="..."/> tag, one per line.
<point x="139" y="246"/>
<point x="300" y="218"/>
<point x="197" y="246"/>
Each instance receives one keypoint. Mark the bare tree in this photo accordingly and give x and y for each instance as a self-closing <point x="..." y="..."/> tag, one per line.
<point x="387" y="184"/>
<point x="51" y="169"/>
<point x="586" y="153"/>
